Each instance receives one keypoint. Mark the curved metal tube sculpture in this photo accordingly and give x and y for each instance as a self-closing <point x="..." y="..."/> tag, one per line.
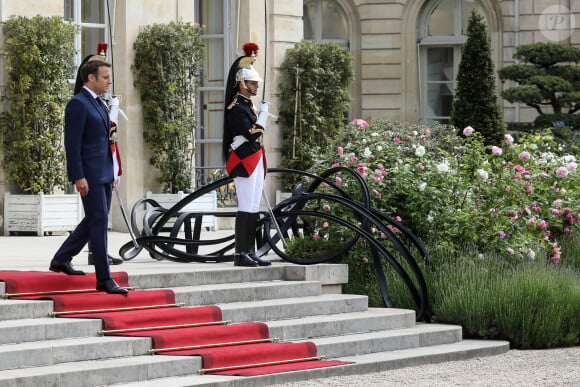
<point x="322" y="201"/>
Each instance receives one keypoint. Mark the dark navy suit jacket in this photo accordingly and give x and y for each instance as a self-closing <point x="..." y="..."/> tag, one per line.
<point x="88" y="155"/>
<point x="86" y="140"/>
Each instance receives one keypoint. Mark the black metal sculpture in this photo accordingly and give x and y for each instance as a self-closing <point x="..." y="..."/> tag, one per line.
<point x="317" y="200"/>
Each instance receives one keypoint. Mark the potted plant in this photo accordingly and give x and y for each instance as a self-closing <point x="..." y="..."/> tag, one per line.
<point x="39" y="60"/>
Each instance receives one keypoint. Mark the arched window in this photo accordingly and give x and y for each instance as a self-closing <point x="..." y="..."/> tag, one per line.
<point x="325" y="21"/>
<point x="336" y="21"/>
<point x="441" y="31"/>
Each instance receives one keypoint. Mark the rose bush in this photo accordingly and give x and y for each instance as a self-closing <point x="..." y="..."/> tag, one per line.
<point x="517" y="198"/>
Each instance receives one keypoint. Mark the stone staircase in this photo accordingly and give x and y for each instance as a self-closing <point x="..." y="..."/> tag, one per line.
<point x="298" y="303"/>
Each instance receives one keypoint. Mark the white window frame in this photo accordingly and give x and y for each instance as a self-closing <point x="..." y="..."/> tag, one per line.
<point x="317" y="26"/>
<point x="226" y="39"/>
<point x="455" y="41"/>
<point x="77" y="22"/>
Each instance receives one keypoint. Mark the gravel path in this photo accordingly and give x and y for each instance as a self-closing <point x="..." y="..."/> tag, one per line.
<point x="553" y="367"/>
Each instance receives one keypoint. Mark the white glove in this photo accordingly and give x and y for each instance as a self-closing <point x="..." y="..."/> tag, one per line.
<point x="263" y="115"/>
<point x="262" y="119"/>
<point x="114" y="101"/>
<point x="114" y="109"/>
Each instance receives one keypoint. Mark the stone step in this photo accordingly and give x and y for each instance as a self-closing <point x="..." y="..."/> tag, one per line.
<point x="422" y="335"/>
<point x="309" y="327"/>
<point x="287" y="308"/>
<point x="51" y="352"/>
<point x="245" y="291"/>
<point x="17" y="309"/>
<point x="47" y="328"/>
<point x="363" y="364"/>
<point x="211" y="274"/>
<point x="101" y="372"/>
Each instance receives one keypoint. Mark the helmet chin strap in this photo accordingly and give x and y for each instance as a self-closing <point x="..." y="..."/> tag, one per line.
<point x="250" y="91"/>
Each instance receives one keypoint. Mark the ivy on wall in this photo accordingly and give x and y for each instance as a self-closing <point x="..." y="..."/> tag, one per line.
<point x="169" y="59"/>
<point x="39" y="58"/>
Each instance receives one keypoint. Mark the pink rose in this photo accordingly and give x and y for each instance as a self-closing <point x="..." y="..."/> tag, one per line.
<point x="524" y="156"/>
<point x="562" y="172"/>
<point x="496" y="151"/>
<point x="468" y="131"/>
<point x="509" y="139"/>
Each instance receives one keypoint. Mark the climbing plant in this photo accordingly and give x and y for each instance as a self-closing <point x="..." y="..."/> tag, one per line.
<point x="315" y="94"/>
<point x="167" y="68"/>
<point x="39" y="58"/>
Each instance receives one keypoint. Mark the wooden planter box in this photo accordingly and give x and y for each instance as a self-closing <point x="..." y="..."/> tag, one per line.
<point x="41" y="213"/>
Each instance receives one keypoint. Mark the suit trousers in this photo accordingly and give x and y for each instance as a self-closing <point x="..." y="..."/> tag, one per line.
<point x="92" y="228"/>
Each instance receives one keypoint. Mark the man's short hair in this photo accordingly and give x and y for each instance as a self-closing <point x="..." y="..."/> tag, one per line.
<point x="91" y="67"/>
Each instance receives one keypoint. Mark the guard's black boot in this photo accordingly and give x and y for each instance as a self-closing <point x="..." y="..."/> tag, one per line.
<point x="112" y="260"/>
<point x="260" y="261"/>
<point x="252" y="252"/>
<point x="243" y="241"/>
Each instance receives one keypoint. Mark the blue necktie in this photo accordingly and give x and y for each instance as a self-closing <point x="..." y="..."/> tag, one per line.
<point x="101" y="104"/>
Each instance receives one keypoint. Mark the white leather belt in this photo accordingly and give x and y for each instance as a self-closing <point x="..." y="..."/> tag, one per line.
<point x="237" y="141"/>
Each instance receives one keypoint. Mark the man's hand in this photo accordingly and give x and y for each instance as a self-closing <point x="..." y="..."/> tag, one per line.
<point x="82" y="186"/>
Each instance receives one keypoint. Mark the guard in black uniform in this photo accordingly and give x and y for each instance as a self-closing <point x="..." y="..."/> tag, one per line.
<point x="244" y="152"/>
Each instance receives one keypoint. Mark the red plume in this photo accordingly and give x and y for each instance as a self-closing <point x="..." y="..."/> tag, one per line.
<point x="250" y="49"/>
<point x="102" y="49"/>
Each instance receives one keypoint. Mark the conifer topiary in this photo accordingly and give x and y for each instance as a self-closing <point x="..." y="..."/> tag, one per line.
<point x="475" y="103"/>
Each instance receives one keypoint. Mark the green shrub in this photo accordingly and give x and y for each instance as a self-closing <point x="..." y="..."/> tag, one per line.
<point x="537" y="306"/>
<point x="532" y="304"/>
<point x="39" y="59"/>
<point x="571" y="251"/>
<point x="168" y="63"/>
<point x="543" y="121"/>
<point x="475" y="102"/>
<point x="513" y="199"/>
<point x="316" y="97"/>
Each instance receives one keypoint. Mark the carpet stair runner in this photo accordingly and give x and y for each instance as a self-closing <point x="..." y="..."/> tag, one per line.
<point x="208" y="305"/>
<point x="239" y="349"/>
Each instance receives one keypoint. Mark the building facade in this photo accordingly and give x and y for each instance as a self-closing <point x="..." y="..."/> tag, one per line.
<point x="406" y="56"/>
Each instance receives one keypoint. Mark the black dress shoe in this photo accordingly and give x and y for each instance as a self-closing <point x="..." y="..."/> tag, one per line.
<point x="243" y="259"/>
<point x="111" y="287"/>
<point x="261" y="262"/>
<point x="112" y="260"/>
<point x="64" y="267"/>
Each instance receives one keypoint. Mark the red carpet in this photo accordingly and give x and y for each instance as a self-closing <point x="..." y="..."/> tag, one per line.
<point x="152" y="317"/>
<point x="244" y="349"/>
<point x="42" y="281"/>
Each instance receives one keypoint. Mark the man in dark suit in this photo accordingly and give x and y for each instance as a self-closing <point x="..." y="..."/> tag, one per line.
<point x="90" y="168"/>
